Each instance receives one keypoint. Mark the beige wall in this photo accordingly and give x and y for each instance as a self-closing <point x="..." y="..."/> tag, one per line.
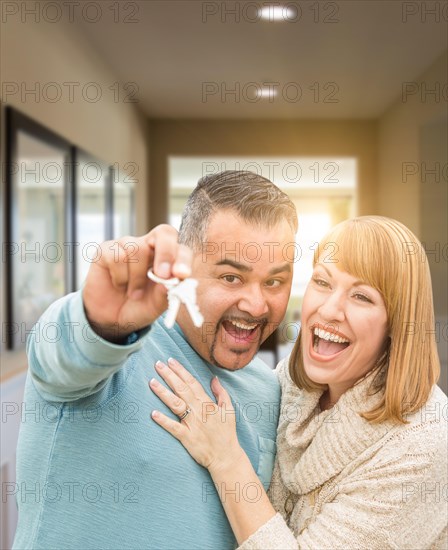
<point x="399" y="135"/>
<point x="111" y="130"/>
<point x="261" y="138"/>
<point x="416" y="131"/>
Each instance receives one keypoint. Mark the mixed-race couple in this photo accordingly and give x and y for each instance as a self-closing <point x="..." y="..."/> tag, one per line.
<point x="352" y="436"/>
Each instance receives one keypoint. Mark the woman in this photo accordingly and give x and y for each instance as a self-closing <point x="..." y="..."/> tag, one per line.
<point x="362" y="436"/>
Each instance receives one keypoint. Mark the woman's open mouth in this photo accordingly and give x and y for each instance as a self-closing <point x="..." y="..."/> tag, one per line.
<point x="327" y="342"/>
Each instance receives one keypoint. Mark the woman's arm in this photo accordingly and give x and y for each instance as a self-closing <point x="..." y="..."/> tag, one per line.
<point x="208" y="433"/>
<point x="243" y="497"/>
<point x="397" y="499"/>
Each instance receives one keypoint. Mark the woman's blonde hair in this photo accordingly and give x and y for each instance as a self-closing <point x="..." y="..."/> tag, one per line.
<point x="386" y="255"/>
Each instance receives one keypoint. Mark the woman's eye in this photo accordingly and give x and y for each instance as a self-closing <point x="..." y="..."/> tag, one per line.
<point x="362" y="297"/>
<point x="320" y="282"/>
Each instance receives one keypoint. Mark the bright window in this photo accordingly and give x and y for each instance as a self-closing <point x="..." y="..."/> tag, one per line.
<point x="323" y="190"/>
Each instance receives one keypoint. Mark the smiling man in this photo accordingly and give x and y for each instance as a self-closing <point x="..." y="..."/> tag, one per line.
<point x="103" y="474"/>
<point x="244" y="273"/>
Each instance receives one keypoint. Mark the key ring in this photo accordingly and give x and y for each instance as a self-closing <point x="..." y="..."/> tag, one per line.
<point x="179" y="292"/>
<point x="168" y="283"/>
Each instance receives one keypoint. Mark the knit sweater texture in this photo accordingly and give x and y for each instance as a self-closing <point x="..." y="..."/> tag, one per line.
<point x="342" y="482"/>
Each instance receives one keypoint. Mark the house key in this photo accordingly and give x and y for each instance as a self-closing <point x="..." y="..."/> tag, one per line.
<point x="180" y="292"/>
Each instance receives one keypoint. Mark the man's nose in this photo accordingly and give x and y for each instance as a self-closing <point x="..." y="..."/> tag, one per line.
<point x="333" y="308"/>
<point x="253" y="301"/>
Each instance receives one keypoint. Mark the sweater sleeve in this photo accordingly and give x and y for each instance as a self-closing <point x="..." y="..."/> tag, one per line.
<point x="393" y="503"/>
<point x="67" y="360"/>
<point x="278" y="493"/>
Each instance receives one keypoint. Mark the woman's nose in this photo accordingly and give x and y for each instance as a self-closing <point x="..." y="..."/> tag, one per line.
<point x="253" y="302"/>
<point x="333" y="307"/>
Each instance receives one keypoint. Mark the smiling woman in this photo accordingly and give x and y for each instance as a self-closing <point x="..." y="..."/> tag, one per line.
<point x="370" y="282"/>
<point x="362" y="432"/>
<point x="344" y="332"/>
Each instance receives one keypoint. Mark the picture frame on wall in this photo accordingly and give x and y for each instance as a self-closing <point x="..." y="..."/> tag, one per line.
<point x="123" y="203"/>
<point x="38" y="228"/>
<point x="93" y="222"/>
<point x="59" y="208"/>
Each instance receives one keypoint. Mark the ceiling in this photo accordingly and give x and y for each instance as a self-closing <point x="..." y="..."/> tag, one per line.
<point x="345" y="59"/>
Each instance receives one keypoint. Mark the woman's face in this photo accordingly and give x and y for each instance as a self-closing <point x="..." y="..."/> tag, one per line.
<point x="344" y="328"/>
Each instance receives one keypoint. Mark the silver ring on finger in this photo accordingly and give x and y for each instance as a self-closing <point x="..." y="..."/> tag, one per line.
<point x="184" y="414"/>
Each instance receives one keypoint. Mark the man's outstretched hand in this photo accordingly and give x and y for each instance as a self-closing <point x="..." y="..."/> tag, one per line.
<point x="118" y="296"/>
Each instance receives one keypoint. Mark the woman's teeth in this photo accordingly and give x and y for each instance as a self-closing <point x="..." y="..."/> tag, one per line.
<point x="329" y="336"/>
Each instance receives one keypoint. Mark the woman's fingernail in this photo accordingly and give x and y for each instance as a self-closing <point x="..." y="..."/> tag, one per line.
<point x="160" y="365"/>
<point x="171" y="361"/>
<point x="155" y="414"/>
<point x="153" y="382"/>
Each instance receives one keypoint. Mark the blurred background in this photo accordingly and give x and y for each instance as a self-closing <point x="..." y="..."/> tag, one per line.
<point x="111" y="112"/>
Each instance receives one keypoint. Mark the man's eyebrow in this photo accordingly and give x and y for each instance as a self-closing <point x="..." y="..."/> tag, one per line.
<point x="286" y="267"/>
<point x="237" y="265"/>
<point x="281" y="269"/>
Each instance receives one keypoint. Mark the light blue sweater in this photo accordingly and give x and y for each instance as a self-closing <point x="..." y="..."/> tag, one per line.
<point x="94" y="470"/>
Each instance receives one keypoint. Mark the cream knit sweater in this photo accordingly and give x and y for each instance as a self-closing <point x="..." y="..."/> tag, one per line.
<point x="341" y="482"/>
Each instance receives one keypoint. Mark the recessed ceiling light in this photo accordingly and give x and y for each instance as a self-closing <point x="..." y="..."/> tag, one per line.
<point x="266" y="92"/>
<point x="276" y="13"/>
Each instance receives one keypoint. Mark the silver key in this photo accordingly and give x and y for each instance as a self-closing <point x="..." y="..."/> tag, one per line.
<point x="183" y="293"/>
<point x="180" y="292"/>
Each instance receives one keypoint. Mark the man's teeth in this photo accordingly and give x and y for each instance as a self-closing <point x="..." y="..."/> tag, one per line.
<point x="329" y="336"/>
<point x="239" y="324"/>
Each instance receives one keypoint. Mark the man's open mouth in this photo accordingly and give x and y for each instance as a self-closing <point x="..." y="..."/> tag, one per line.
<point x="328" y="342"/>
<point x="241" y="331"/>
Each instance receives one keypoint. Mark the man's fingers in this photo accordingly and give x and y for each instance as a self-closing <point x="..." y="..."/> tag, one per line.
<point x="171" y="259"/>
<point x="113" y="258"/>
<point x="165" y="250"/>
<point x="182" y="264"/>
<point x="138" y="258"/>
<point x="129" y="258"/>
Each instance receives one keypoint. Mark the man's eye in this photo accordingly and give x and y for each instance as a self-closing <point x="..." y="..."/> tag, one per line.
<point x="274" y="283"/>
<point x="230" y="278"/>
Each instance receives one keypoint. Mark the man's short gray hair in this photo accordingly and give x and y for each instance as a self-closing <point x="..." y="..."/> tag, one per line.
<point x="255" y="199"/>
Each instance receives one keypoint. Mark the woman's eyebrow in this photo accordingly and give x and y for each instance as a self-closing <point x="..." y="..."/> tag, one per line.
<point x="320" y="264"/>
<point x="358" y="282"/>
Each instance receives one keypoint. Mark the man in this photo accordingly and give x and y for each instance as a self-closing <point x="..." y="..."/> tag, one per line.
<point x="104" y="474"/>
